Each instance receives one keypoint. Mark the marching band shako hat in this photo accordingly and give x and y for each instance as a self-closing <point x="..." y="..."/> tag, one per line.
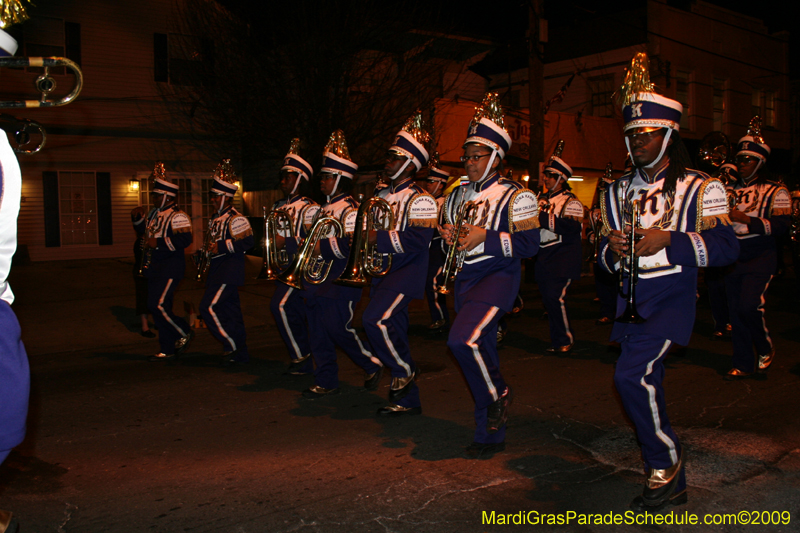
<point x="753" y="143"/>
<point x="160" y="184"/>
<point x="557" y="165"/>
<point x="729" y="169"/>
<point x="434" y="172"/>
<point x="643" y="110"/>
<point x="410" y="142"/>
<point x="336" y="158"/>
<point x="224" y="179"/>
<point x="488" y="127"/>
<point x="294" y="163"/>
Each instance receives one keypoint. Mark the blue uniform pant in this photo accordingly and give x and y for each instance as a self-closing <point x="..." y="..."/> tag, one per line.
<point x="289" y="310"/>
<point x="747" y="289"/>
<point x="639" y="378"/>
<point x="15" y="381"/>
<point x="222" y="312"/>
<point x="717" y="298"/>
<point x="385" y="321"/>
<point x="437" y="303"/>
<point x="606" y="287"/>
<point x="473" y="341"/>
<point x="554" y="298"/>
<point x="171" y="327"/>
<point x="331" y="321"/>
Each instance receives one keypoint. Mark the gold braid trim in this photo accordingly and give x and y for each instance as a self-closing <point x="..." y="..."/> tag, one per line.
<point x="523" y="225"/>
<point x="711" y="222"/>
<point x="782" y="211"/>
<point x="422" y="222"/>
<point x="606" y="229"/>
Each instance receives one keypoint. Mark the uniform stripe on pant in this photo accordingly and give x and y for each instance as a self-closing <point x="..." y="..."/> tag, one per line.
<point x="385" y="332"/>
<point x="164" y="312"/>
<point x="476" y="354"/>
<point x="564" y="311"/>
<point x="285" y="320"/>
<point x="349" y="328"/>
<point x="651" y="392"/>
<point x="216" y="318"/>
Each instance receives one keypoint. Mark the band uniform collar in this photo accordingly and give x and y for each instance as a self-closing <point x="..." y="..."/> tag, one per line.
<point x="488" y="182"/>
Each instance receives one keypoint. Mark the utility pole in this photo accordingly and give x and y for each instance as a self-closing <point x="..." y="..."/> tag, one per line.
<point x="537" y="35"/>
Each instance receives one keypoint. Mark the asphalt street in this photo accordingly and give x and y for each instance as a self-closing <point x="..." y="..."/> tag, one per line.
<point x="120" y="444"/>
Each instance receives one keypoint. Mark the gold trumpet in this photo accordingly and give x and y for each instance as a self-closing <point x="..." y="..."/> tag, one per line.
<point x="454" y="260"/>
<point x="305" y="266"/>
<point x="203" y="257"/>
<point x="364" y="261"/>
<point x="275" y="260"/>
<point x="45" y="83"/>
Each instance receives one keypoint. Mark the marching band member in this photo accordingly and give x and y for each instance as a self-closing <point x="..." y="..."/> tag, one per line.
<point x="684" y="225"/>
<point x="559" y="261"/>
<point x="288" y="303"/>
<point x="505" y="230"/>
<point x="605" y="283"/>
<point x="385" y="319"/>
<point x="330" y="306"/>
<point x="715" y="276"/>
<point x="763" y="212"/>
<point x="230" y="236"/>
<point x="434" y="185"/>
<point x="168" y="232"/>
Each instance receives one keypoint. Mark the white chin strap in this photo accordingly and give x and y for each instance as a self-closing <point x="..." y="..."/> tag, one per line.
<point x="660" y="154"/>
<point x="488" y="166"/>
<point x="755" y="170"/>
<point x="296" y="184"/>
<point x="402" y="169"/>
<point x="335" y="186"/>
<point x="163" y="200"/>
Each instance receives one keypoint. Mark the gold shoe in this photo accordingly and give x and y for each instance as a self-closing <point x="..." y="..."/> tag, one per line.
<point x="439" y="324"/>
<point x="394" y="410"/>
<point x="765" y="360"/>
<point x="734" y="374"/>
<point x="315" y="391"/>
<point x="660" y="485"/>
<point x="561" y="349"/>
<point x="401" y="386"/>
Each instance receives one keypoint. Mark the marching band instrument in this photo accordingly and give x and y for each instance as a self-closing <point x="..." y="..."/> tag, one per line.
<point x="306" y="266"/>
<point x="454" y="259"/>
<point x="713" y="152"/>
<point x="144" y="257"/>
<point x="45" y="83"/>
<point x="364" y="261"/>
<point x="595" y="218"/>
<point x="203" y="260"/>
<point x="22" y="129"/>
<point x="275" y="260"/>
<point x="630" y="263"/>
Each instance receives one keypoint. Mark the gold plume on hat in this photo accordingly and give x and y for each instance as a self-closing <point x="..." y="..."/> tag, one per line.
<point x="434" y="160"/>
<point x="558" y="151"/>
<point x="225" y="172"/>
<point x="12" y="12"/>
<point x="490" y="108"/>
<point x="415" y="126"/>
<point x="294" y="146"/>
<point x="754" y="130"/>
<point x="637" y="80"/>
<point x="338" y="145"/>
<point x="159" y="173"/>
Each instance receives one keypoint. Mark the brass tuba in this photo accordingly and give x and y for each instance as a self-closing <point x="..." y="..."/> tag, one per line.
<point x="275" y="260"/>
<point x="306" y="266"/>
<point x="364" y="261"/>
<point x="454" y="259"/>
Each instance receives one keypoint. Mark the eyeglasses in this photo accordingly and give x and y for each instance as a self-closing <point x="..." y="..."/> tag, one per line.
<point x="473" y="158"/>
<point x="745" y="159"/>
<point x="391" y="156"/>
<point x="645" y="136"/>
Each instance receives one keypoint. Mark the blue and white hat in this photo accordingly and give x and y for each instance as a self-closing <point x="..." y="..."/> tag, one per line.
<point x="557" y="165"/>
<point x="160" y="184"/>
<point x="294" y="163"/>
<point x="336" y="157"/>
<point x="728" y="172"/>
<point x="642" y="108"/>
<point x="487" y="126"/>
<point x="434" y="172"/>
<point x="753" y="143"/>
<point x="411" y="141"/>
<point x="224" y="183"/>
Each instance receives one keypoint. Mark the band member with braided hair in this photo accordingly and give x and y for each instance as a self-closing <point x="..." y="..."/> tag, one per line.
<point x="288" y="304"/>
<point x="683" y="225"/>
<point x="231" y="236"/>
<point x="505" y="230"/>
<point x="331" y="306"/>
<point x="386" y="317"/>
<point x="763" y="212"/>
<point x="169" y="233"/>
<point x="559" y="260"/>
